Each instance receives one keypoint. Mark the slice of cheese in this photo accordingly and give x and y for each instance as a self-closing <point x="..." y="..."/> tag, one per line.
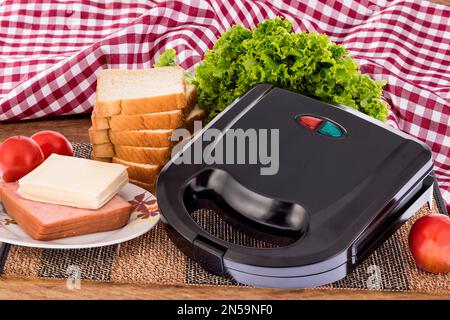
<point x="74" y="182"/>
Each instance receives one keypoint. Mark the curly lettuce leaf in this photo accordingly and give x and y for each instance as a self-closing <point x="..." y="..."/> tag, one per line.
<point x="272" y="53"/>
<point x="169" y="59"/>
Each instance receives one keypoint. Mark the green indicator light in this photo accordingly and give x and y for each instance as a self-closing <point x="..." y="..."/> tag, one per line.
<point x="331" y="130"/>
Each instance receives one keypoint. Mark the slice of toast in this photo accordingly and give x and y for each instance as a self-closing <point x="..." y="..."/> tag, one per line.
<point x="146" y="173"/>
<point x="130" y="92"/>
<point x="146" y="155"/>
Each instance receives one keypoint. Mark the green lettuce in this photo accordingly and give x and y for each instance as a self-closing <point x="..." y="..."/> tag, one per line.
<point x="272" y="53"/>
<point x="169" y="59"/>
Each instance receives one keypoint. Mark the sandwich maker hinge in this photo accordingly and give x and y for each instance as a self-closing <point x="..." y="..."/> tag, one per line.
<point x="404" y="210"/>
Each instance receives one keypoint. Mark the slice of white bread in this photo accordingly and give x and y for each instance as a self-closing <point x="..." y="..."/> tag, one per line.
<point x="130" y="92"/>
<point x="141" y="138"/>
<point x="197" y="114"/>
<point x="158" y="120"/>
<point x="98" y="136"/>
<point x="146" y="173"/>
<point x="146" y="155"/>
<point x="152" y="121"/>
<point x="105" y="150"/>
<point x="99" y="123"/>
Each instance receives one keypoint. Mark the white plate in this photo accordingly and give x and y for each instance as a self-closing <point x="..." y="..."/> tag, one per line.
<point x="145" y="216"/>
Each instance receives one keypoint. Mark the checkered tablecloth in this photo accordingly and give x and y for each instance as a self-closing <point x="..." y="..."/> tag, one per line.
<point x="51" y="51"/>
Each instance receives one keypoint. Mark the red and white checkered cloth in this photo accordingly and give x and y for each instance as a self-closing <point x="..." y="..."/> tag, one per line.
<point x="51" y="51"/>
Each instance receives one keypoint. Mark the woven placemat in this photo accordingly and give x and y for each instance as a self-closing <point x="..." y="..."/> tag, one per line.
<point x="154" y="259"/>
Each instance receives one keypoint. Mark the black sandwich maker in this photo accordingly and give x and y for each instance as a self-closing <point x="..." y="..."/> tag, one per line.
<point x="345" y="182"/>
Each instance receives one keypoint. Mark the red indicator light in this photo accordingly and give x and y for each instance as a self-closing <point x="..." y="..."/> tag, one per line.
<point x="309" y="122"/>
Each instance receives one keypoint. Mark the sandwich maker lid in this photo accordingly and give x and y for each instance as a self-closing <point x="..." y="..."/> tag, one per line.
<point x="341" y="176"/>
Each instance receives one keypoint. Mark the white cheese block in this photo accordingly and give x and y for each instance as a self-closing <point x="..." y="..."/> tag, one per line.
<point x="74" y="182"/>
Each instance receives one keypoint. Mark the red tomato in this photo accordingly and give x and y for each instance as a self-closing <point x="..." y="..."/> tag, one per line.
<point x="18" y="156"/>
<point x="429" y="242"/>
<point x="52" y="142"/>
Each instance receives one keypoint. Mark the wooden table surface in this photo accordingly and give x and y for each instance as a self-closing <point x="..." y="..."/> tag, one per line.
<point x="75" y="129"/>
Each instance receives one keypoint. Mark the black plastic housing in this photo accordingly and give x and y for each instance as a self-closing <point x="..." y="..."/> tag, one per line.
<point x="331" y="203"/>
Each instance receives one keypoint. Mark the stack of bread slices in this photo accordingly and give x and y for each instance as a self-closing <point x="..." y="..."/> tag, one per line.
<point x="134" y="116"/>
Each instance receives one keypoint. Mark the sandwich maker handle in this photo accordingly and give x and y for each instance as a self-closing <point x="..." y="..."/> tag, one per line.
<point x="263" y="218"/>
<point x="272" y="221"/>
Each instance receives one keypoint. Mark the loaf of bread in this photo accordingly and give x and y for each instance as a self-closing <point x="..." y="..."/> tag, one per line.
<point x="134" y="117"/>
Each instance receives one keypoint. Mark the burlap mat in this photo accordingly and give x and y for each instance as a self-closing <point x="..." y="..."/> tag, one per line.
<point x="153" y="259"/>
